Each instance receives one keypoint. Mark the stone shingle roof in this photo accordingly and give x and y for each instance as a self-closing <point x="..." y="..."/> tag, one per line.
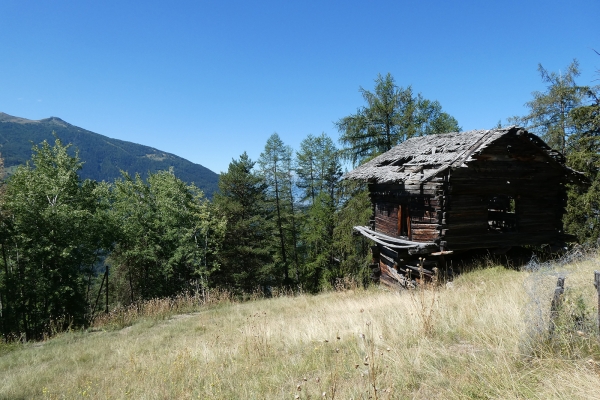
<point x="420" y="159"/>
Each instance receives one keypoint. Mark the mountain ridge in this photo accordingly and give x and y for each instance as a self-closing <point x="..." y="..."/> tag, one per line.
<point x="103" y="157"/>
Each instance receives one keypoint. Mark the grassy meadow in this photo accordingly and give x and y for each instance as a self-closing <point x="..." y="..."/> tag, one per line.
<point x="482" y="336"/>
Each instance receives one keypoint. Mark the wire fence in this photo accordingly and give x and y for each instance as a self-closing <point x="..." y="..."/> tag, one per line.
<point x="540" y="286"/>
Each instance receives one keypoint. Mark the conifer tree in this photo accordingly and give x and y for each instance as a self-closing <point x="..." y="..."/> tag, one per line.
<point x="566" y="116"/>
<point x="319" y="171"/>
<point x="318" y="166"/>
<point x="276" y="169"/>
<point x="550" y="111"/>
<point x="245" y="259"/>
<point x="350" y="250"/>
<point x="392" y="115"/>
<point x="583" y="207"/>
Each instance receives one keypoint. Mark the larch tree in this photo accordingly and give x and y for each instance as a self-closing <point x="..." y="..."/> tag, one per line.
<point x="550" y="111"/>
<point x="392" y="115"/>
<point x="317" y="166"/>
<point x="275" y="168"/>
<point x="318" y="171"/>
<point x="566" y="116"/>
<point x="583" y="206"/>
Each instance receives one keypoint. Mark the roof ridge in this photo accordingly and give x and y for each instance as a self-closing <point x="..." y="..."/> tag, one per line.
<point x="473" y="148"/>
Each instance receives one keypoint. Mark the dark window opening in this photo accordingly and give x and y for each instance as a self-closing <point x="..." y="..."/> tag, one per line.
<point x="502" y="214"/>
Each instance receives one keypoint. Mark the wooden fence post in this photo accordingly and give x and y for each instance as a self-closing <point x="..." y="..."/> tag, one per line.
<point x="556" y="301"/>
<point x="597" y="285"/>
<point x="106" y="310"/>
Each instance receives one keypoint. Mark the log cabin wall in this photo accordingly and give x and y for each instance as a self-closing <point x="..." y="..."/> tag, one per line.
<point x="407" y="211"/>
<point x="515" y="172"/>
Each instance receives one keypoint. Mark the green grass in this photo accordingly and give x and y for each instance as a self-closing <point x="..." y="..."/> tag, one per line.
<point x="472" y="339"/>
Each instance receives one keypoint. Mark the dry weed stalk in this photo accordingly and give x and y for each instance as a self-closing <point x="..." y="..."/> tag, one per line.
<point x="370" y="359"/>
<point x="424" y="296"/>
<point x="257" y="337"/>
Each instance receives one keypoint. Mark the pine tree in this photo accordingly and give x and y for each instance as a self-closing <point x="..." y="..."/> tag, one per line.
<point x="245" y="259"/>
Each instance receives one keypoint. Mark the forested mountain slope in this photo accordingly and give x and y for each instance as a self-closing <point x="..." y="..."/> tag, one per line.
<point x="103" y="157"/>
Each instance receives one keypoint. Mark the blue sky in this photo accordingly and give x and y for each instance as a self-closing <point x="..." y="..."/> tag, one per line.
<point x="208" y="80"/>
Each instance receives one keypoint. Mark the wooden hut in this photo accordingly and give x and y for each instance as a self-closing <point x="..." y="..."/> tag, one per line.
<point x="441" y="194"/>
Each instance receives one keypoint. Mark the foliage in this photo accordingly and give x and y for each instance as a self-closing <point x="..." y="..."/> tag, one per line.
<point x="319" y="171"/>
<point x="245" y="259"/>
<point x="392" y="115"/>
<point x="275" y="167"/>
<point x="318" y="167"/>
<point x="317" y="236"/>
<point x="583" y="207"/>
<point x="169" y="236"/>
<point x="55" y="231"/>
<point x="550" y="111"/>
<point x="352" y="251"/>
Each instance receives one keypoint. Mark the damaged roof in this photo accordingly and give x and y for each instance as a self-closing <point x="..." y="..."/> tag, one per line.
<point x="420" y="159"/>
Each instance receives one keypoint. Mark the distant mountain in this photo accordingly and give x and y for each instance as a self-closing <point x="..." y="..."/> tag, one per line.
<point x="103" y="157"/>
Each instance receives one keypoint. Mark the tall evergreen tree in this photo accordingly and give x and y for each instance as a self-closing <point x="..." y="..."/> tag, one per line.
<point x="318" y="166"/>
<point x="352" y="252"/>
<point x="275" y="167"/>
<point x="245" y="259"/>
<point x="318" y="171"/>
<point x="292" y="214"/>
<point x="317" y="237"/>
<point x="392" y="115"/>
<point x="550" y="111"/>
<point x="583" y="206"/>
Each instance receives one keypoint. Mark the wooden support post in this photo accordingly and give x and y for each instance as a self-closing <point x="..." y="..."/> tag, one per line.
<point x="408" y="227"/>
<point x="399" y="219"/>
<point x="597" y="285"/>
<point x="556" y="301"/>
<point x="98" y="298"/>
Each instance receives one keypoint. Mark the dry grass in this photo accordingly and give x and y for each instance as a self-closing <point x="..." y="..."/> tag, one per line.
<point x="477" y="343"/>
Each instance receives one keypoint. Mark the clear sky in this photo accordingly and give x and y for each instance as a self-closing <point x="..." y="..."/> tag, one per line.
<point x="208" y="80"/>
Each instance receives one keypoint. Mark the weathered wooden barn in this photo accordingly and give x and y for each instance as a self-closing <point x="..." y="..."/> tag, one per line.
<point x="442" y="194"/>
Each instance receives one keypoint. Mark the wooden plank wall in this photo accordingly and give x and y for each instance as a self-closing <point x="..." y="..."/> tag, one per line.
<point x="423" y="208"/>
<point x="511" y="168"/>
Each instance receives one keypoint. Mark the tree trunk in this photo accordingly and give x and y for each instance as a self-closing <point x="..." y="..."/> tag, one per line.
<point x="280" y="227"/>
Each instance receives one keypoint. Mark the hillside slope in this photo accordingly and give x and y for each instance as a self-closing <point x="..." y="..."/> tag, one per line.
<point x="103" y="157"/>
<point x="475" y="338"/>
